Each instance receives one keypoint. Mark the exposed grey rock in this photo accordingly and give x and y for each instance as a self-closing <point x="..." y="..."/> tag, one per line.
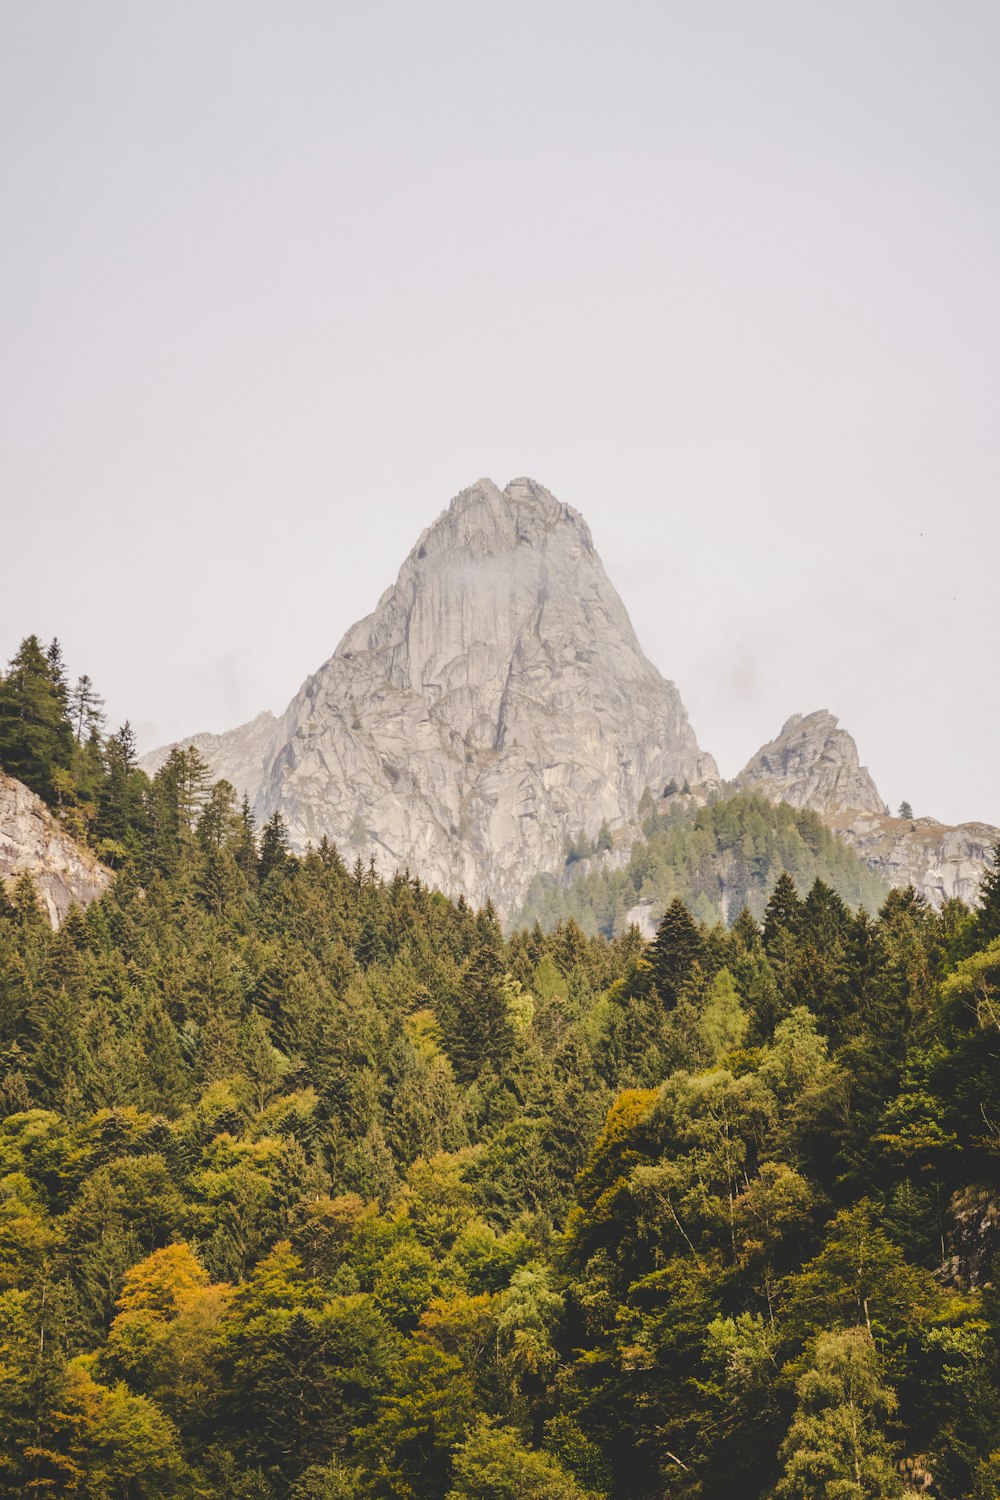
<point x="643" y="916"/>
<point x="238" y="755"/>
<point x="812" y="763"/>
<point x="495" y="703"/>
<point x="32" y="842"/>
<point x="941" y="861"/>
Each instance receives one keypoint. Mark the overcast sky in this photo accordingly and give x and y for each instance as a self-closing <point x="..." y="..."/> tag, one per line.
<point x="280" y="279"/>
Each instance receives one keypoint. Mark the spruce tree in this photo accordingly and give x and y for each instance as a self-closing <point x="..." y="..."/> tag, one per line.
<point x="677" y="947"/>
<point x="119" y="805"/>
<point x="783" y="913"/>
<point x="245" y="851"/>
<point x="36" y="739"/>
<point x="275" y="850"/>
<point x="87" y="710"/>
<point x="481" y="1031"/>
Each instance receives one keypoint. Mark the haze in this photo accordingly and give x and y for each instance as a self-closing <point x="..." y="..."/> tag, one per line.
<point x="279" y="280"/>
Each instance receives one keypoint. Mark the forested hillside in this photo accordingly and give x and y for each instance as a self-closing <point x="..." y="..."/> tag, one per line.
<point x="717" y="858"/>
<point x="316" y="1186"/>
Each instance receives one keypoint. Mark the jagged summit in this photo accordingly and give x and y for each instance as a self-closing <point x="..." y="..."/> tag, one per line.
<point x="813" y="763"/>
<point x="495" y="703"/>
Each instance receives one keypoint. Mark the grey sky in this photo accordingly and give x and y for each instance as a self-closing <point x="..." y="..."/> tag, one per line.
<point x="279" y="279"/>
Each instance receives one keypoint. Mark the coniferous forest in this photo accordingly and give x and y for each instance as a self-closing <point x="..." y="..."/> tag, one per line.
<point x="316" y="1185"/>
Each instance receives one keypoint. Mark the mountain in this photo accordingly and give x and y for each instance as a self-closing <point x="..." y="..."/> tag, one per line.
<point x="813" y="763"/>
<point x="238" y="756"/>
<point x="494" y="705"/>
<point x="717" y="855"/>
<point x="31" y="842"/>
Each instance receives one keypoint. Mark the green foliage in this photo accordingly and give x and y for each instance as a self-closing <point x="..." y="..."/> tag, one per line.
<point x="716" y="859"/>
<point x="315" y="1185"/>
<point x="988" y="915"/>
<point x="836" y="1445"/>
<point x="494" y="1464"/>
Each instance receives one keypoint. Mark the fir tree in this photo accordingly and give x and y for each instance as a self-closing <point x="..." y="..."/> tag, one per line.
<point x="482" y="1031"/>
<point x="783" y="914"/>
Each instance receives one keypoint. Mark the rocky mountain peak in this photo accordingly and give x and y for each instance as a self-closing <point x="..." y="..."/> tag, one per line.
<point x="498" y="570"/>
<point x="813" y="763"/>
<point x="495" y="704"/>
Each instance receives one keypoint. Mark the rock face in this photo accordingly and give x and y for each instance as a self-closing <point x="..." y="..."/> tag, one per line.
<point x="495" y="703"/>
<point x="813" y="763"/>
<point x="32" y="842"/>
<point x="941" y="861"/>
<point x="239" y="755"/>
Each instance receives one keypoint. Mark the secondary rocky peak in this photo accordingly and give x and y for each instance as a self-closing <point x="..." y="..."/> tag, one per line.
<point x="813" y="763"/>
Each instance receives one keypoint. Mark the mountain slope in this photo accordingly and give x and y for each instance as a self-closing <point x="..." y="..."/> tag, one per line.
<point x="495" y="702"/>
<point x="717" y="857"/>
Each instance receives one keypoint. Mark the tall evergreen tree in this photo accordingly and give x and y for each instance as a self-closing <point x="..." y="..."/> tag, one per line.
<point x="678" y="946"/>
<point x="245" y="852"/>
<point x="87" y="710"/>
<point x="119" y="812"/>
<point x="481" y="1032"/>
<point x="275" y="850"/>
<point x="36" y="738"/>
<point x="783" y="914"/>
<point x="988" y="916"/>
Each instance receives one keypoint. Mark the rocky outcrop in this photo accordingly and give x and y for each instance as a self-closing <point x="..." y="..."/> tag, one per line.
<point x="32" y="842"/>
<point x="941" y="861"/>
<point x="813" y="763"/>
<point x="239" y="756"/>
<point x="495" y="704"/>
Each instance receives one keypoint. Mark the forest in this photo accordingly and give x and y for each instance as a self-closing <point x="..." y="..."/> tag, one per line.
<point x="718" y="855"/>
<point x="315" y="1185"/>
